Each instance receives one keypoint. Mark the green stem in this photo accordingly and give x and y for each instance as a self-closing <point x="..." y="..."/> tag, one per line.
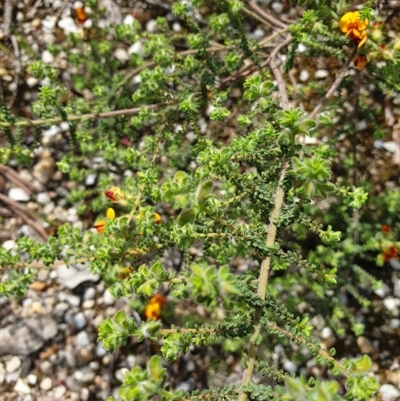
<point x="263" y="282"/>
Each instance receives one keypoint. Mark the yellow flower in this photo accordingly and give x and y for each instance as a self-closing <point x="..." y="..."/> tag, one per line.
<point x="99" y="226"/>
<point x="153" y="308"/>
<point x="354" y="27"/>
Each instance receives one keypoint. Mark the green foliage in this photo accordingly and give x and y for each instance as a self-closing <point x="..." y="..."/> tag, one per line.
<point x="263" y="222"/>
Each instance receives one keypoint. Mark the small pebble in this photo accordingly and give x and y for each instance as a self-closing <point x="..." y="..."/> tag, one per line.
<point x="131" y="361"/>
<point x="394" y="324"/>
<point x="151" y="26"/>
<point x="120" y="374"/>
<point x="361" y="125"/>
<point x="59" y="392"/>
<point x="128" y="20"/>
<point x="90" y="293"/>
<point x="321" y="74"/>
<point x="67" y="24"/>
<point x="47" y="57"/>
<point x="108" y="298"/>
<point x="90" y="179"/>
<point x="277" y="7"/>
<point x="46" y="384"/>
<point x="289" y="366"/>
<point x="122" y="55"/>
<point x="258" y="34"/>
<point x="88" y="304"/>
<point x="32" y="379"/>
<point x="82" y="339"/>
<point x="391" y="303"/>
<point x="79" y="321"/>
<point x="42" y="198"/>
<point x="18" y="195"/>
<point x="136" y="48"/>
<point x="46" y="367"/>
<point x="84" y="375"/>
<point x="304" y="75"/>
<point x="101" y="351"/>
<point x="388" y="392"/>
<point x="13" y="364"/>
<point x="365" y="345"/>
<point x="22" y="387"/>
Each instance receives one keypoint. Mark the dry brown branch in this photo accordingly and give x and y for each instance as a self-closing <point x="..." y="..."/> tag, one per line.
<point x="266" y="16"/>
<point x="335" y="84"/>
<point x="26" y="215"/>
<point x="15" y="178"/>
<point x="278" y="74"/>
<point x="7" y="16"/>
<point x="57" y="120"/>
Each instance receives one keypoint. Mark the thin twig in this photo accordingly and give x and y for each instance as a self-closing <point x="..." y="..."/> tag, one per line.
<point x="89" y="116"/>
<point x="27" y="216"/>
<point x="7" y="16"/>
<point x="278" y="74"/>
<point x="14" y="177"/>
<point x="266" y="16"/>
<point x="335" y="84"/>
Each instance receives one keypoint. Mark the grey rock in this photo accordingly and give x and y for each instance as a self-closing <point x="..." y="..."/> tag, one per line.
<point x="79" y="321"/>
<point x="74" y="275"/>
<point x="90" y="293"/>
<point x="21" y="387"/>
<point x="82" y="339"/>
<point x="31" y="333"/>
<point x="84" y="375"/>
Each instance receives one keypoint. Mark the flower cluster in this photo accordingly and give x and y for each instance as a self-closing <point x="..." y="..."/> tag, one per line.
<point x="99" y="226"/>
<point x="354" y="27"/>
<point x="153" y="308"/>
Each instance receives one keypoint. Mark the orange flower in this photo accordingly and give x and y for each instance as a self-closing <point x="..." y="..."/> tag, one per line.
<point x="80" y="15"/>
<point x="354" y="27"/>
<point x="156" y="216"/>
<point x="385" y="229"/>
<point x="153" y="308"/>
<point x="390" y="253"/>
<point x="115" y="194"/>
<point x="99" y="226"/>
<point x="360" y="61"/>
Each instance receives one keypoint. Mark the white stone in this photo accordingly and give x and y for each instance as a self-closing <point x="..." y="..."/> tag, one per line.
<point x="128" y="20"/>
<point x="82" y="339"/>
<point x="258" y="34"/>
<point x="108" y="298"/>
<point x="22" y="387"/>
<point x="47" y="57"/>
<point x="18" y="195"/>
<point x="131" y="361"/>
<point x="383" y="290"/>
<point x="301" y="48"/>
<point x="390" y="146"/>
<point x="361" y="125"/>
<point x="31" y="82"/>
<point x="391" y="303"/>
<point x="46" y="367"/>
<point x="84" y="375"/>
<point x="59" y="392"/>
<point x="394" y="324"/>
<point x="122" y="55"/>
<point x="64" y="126"/>
<point x="9" y="245"/>
<point x="388" y="392"/>
<point x="120" y="374"/>
<point x="67" y="24"/>
<point x="13" y="364"/>
<point x="176" y="26"/>
<point x="90" y="293"/>
<point x="32" y="379"/>
<point x="101" y="351"/>
<point x="321" y="74"/>
<point x="277" y="7"/>
<point x="304" y="75"/>
<point x="394" y="263"/>
<point x="88" y="24"/>
<point x="46" y="384"/>
<point x="326" y="332"/>
<point x="48" y="22"/>
<point x="90" y="179"/>
<point x="136" y="48"/>
<point x="42" y="198"/>
<point x="151" y="26"/>
<point x="289" y="366"/>
<point x="12" y="87"/>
